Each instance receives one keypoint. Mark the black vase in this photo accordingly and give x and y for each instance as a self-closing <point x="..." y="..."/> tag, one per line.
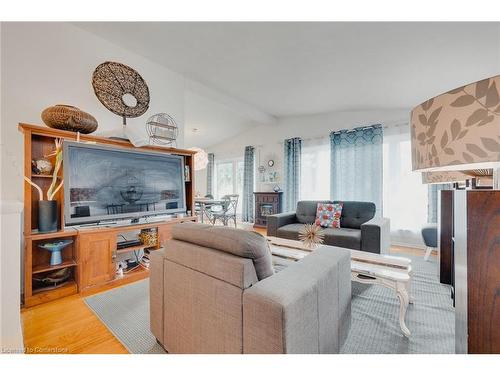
<point x="47" y="216"/>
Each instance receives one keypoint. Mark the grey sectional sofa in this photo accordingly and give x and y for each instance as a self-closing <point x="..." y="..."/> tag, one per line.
<point x="214" y="290"/>
<point x="359" y="229"/>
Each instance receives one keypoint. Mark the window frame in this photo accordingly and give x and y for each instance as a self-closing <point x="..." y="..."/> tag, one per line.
<point x="234" y="171"/>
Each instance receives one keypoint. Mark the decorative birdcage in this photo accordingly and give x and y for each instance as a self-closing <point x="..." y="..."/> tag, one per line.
<point x="162" y="129"/>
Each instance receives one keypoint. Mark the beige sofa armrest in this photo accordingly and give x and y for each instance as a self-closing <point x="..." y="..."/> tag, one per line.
<point x="305" y="308"/>
<point x="156" y="285"/>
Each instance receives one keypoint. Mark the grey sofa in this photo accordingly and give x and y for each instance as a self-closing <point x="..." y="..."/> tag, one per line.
<point x="359" y="229"/>
<point x="214" y="290"/>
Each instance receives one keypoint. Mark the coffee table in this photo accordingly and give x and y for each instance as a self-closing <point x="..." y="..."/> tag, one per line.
<point x="391" y="272"/>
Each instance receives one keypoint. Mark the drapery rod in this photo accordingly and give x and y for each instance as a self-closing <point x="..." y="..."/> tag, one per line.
<point x="397" y="125"/>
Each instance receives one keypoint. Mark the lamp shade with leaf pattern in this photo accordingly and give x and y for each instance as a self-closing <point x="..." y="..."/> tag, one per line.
<point x="459" y="129"/>
<point x="442" y="177"/>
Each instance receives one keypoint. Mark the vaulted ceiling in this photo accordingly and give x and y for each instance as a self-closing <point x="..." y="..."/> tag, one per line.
<point x="298" y="68"/>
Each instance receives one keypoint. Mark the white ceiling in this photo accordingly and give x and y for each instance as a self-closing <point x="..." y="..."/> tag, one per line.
<point x="298" y="68"/>
<point x="213" y="121"/>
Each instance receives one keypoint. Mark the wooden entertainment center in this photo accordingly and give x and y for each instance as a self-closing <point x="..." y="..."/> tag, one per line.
<point x="93" y="251"/>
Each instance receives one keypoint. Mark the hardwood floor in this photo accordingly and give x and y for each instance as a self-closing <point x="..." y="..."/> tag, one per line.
<point x="69" y="326"/>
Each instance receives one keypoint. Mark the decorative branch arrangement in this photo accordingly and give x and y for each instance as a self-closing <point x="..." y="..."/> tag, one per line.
<point x="311" y="235"/>
<point x="52" y="190"/>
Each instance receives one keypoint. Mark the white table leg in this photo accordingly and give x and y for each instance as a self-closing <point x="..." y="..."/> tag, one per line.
<point x="409" y="287"/>
<point x="404" y="300"/>
<point x="428" y="252"/>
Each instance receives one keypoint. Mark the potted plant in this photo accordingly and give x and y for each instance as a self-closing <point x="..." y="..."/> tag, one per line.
<point x="47" y="208"/>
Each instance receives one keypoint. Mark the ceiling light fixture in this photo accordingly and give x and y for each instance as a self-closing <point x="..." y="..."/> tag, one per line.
<point x="200" y="158"/>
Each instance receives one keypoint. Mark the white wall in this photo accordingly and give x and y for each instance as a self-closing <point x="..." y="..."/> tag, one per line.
<point x="11" y="338"/>
<point x="49" y="63"/>
<point x="268" y="139"/>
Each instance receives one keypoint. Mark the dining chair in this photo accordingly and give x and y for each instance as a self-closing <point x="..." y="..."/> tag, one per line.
<point x="228" y="210"/>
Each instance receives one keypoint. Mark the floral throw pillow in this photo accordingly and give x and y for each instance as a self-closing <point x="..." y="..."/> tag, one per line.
<point x="328" y="215"/>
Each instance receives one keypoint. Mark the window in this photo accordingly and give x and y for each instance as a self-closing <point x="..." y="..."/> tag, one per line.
<point x="315" y="170"/>
<point x="229" y="179"/>
<point x="405" y="197"/>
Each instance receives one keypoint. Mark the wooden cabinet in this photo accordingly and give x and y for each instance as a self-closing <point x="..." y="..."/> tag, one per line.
<point x="96" y="258"/>
<point x="445" y="231"/>
<point x="477" y="271"/>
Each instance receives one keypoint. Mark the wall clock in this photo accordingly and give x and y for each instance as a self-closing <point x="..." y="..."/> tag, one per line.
<point x="270" y="163"/>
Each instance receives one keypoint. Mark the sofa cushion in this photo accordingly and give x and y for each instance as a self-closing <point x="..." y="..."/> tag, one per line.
<point x="343" y="237"/>
<point x="246" y="244"/>
<point x="328" y="215"/>
<point x="290" y="231"/>
<point x="306" y="211"/>
<point x="356" y="213"/>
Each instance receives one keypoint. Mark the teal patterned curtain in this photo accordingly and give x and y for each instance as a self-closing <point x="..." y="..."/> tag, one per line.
<point x="248" y="178"/>
<point x="357" y="165"/>
<point x="432" y="200"/>
<point x="293" y="150"/>
<point x="210" y="174"/>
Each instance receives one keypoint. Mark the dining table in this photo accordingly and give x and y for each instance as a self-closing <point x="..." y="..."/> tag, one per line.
<point x="206" y="204"/>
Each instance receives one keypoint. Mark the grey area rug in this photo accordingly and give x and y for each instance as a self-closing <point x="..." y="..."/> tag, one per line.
<point x="375" y="317"/>
<point x="125" y="311"/>
<point x="374" y="327"/>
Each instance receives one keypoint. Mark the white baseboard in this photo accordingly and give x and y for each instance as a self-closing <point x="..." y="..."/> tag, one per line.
<point x="408" y="244"/>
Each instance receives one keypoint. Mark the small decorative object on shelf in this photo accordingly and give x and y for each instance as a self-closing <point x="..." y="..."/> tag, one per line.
<point x="52" y="279"/>
<point x="119" y="271"/>
<point x="47" y="209"/>
<point x="67" y="117"/>
<point x="121" y="90"/>
<point x="311" y="235"/>
<point x="55" y="248"/>
<point x="276" y="188"/>
<point x="41" y="166"/>
<point x="162" y="129"/>
<point x="149" y="237"/>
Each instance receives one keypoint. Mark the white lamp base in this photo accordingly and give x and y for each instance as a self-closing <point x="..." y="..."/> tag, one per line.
<point x="496" y="178"/>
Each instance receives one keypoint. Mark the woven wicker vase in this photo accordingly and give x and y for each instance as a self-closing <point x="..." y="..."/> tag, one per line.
<point x="66" y="117"/>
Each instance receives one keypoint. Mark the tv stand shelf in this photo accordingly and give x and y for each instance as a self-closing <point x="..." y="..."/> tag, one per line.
<point x="45" y="268"/>
<point x="35" y="235"/>
<point x="91" y="255"/>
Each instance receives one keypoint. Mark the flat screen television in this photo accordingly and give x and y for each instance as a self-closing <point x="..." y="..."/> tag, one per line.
<point x="104" y="183"/>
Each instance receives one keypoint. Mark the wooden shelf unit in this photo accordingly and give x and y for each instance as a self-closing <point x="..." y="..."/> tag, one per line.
<point x="90" y="256"/>
<point x="34" y="175"/>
